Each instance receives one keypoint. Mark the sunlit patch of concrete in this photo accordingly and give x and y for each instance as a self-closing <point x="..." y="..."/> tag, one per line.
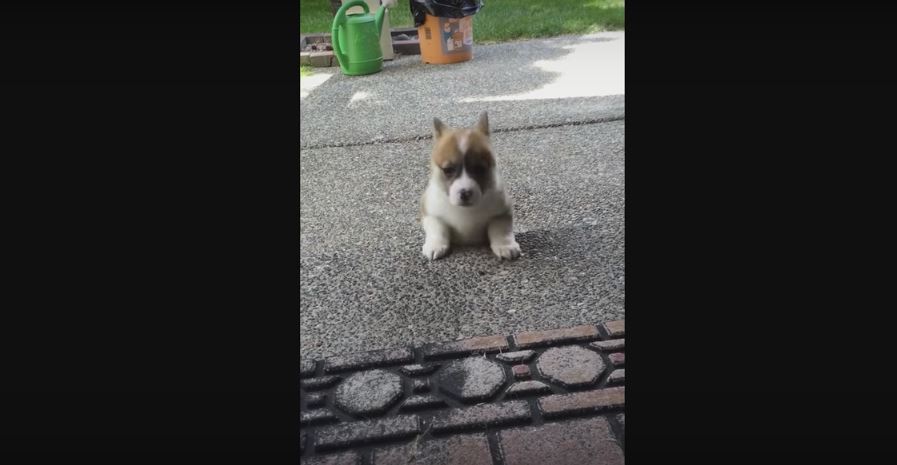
<point x="360" y="95"/>
<point x="594" y="67"/>
<point x="308" y="83"/>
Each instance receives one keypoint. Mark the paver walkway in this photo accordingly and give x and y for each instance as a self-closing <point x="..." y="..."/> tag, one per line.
<point x="534" y="398"/>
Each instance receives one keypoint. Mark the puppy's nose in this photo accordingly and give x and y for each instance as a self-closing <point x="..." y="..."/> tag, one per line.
<point x="465" y="194"/>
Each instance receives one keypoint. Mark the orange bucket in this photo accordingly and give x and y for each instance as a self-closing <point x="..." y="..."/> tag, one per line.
<point x="446" y="40"/>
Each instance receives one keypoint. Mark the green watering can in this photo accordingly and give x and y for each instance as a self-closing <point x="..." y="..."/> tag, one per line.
<point x="356" y="39"/>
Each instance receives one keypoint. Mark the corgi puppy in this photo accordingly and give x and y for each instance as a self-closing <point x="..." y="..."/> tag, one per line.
<point x="465" y="202"/>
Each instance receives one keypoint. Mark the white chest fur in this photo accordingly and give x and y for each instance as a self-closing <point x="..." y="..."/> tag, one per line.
<point x="468" y="225"/>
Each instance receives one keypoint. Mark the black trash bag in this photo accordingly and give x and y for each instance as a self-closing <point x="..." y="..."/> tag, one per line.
<point x="443" y="9"/>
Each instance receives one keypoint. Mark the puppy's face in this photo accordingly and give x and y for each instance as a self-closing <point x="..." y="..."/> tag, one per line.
<point x="462" y="163"/>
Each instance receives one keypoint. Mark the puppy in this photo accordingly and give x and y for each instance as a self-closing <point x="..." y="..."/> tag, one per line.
<point x="465" y="202"/>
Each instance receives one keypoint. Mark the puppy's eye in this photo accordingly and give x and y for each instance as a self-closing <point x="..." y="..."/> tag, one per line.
<point x="477" y="170"/>
<point x="448" y="170"/>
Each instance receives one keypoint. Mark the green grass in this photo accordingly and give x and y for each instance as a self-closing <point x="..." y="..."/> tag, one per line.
<point x="500" y="20"/>
<point x="305" y="71"/>
<point x="315" y="16"/>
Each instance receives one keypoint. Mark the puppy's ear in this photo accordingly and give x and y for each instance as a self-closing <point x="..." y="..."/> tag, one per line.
<point x="483" y="123"/>
<point x="438" y="128"/>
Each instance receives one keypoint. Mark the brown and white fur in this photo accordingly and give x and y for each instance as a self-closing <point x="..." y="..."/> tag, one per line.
<point x="465" y="202"/>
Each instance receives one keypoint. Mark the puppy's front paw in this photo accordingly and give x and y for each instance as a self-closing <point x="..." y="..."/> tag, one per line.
<point x="506" y="251"/>
<point x="435" y="250"/>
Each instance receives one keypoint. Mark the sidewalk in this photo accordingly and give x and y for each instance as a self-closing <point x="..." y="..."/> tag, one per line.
<point x="531" y="83"/>
<point x="557" y="112"/>
<point x="535" y="398"/>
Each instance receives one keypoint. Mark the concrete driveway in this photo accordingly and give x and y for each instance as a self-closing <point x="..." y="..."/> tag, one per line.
<point x="557" y="109"/>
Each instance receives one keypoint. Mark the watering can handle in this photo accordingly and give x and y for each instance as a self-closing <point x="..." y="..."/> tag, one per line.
<point x="338" y="21"/>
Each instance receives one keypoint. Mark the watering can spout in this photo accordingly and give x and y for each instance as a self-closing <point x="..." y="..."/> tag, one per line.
<point x="378" y="19"/>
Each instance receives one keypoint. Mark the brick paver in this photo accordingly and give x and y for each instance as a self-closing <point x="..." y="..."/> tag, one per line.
<point x="321" y="382"/>
<point x="422" y="402"/>
<point x="516" y="357"/>
<point x="618" y="359"/>
<point x="571" y="366"/>
<point x="617" y="377"/>
<point x="582" y="442"/>
<point x="457" y="450"/>
<point x="520" y="371"/>
<point x="316" y="417"/>
<point x="471" y="379"/>
<point x="362" y="360"/>
<point x="611" y="345"/>
<point x="582" y="402"/>
<point x="349" y="458"/>
<point x="364" y="432"/>
<point x="420" y="385"/>
<point x="466" y="347"/>
<point x="556" y="336"/>
<point x="418" y="369"/>
<point x="315" y="400"/>
<point x="541" y="397"/>
<point x="614" y="328"/>
<point x="369" y="392"/>
<point x="527" y="387"/>
<point x="481" y="416"/>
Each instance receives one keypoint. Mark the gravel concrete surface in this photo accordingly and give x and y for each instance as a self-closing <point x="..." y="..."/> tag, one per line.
<point x="401" y="101"/>
<point x="364" y="284"/>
